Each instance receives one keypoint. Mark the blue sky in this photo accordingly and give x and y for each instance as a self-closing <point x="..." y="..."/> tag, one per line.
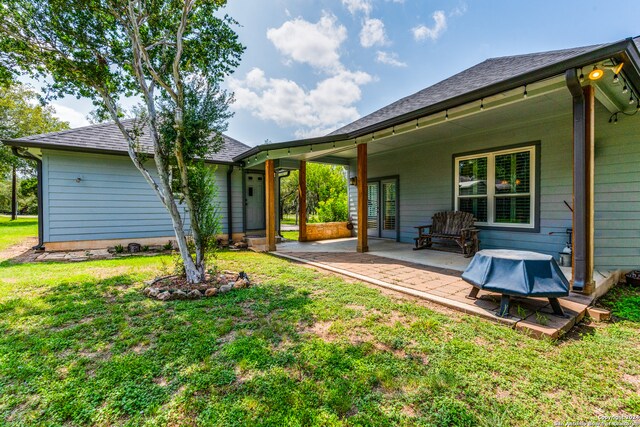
<point x="313" y="66"/>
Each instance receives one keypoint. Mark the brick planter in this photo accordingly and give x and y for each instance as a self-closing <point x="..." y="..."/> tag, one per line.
<point x="327" y="230"/>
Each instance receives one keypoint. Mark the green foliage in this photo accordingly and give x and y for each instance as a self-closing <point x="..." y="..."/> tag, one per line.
<point x="206" y="213"/>
<point x="327" y="197"/>
<point x="22" y="114"/>
<point x="119" y="249"/>
<point x="334" y="208"/>
<point x="624" y="302"/>
<point x="27" y="196"/>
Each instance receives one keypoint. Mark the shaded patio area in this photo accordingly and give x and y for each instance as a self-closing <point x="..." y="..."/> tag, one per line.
<point x="435" y="276"/>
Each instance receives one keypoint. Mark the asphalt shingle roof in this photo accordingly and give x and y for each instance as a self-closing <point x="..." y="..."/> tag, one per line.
<point x="484" y="74"/>
<point x="107" y="137"/>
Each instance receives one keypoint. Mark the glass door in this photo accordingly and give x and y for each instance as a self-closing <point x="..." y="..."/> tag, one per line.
<point x="389" y="223"/>
<point x="373" y="211"/>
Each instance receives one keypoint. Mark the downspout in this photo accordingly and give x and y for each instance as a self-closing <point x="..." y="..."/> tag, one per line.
<point x="29" y="156"/>
<point x="229" y="206"/>
<point x="279" y="221"/>
<point x="580" y="207"/>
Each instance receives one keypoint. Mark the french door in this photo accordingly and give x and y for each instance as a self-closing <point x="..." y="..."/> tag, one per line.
<point x="382" y="208"/>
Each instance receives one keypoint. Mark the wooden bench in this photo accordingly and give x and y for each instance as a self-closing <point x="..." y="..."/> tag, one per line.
<point x="450" y="226"/>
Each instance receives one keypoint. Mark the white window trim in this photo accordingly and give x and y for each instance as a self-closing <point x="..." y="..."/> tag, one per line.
<point x="491" y="189"/>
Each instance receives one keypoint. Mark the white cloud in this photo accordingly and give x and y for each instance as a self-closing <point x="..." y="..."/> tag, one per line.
<point x="316" y="111"/>
<point x="389" y="58"/>
<point x="355" y="6"/>
<point x="75" y="118"/>
<point x="314" y="44"/>
<point x="459" y="10"/>
<point x="422" y="32"/>
<point x="372" y="33"/>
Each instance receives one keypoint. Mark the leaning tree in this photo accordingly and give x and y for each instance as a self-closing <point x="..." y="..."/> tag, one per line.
<point x="172" y="54"/>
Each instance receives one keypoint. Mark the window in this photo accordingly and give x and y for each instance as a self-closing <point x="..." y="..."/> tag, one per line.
<point x="510" y="200"/>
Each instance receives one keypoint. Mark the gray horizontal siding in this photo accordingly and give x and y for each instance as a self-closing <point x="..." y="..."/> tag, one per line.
<point x="110" y="201"/>
<point x="617" y="188"/>
<point x="426" y="175"/>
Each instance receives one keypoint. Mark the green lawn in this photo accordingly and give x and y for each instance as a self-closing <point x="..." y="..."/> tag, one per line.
<point x="12" y="232"/>
<point x="80" y="345"/>
<point x="290" y="235"/>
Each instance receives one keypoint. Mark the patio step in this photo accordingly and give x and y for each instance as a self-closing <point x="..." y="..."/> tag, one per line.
<point x="258" y="243"/>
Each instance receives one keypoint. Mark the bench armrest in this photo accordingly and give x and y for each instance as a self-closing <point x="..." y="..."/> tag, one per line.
<point x="422" y="227"/>
<point x="471" y="229"/>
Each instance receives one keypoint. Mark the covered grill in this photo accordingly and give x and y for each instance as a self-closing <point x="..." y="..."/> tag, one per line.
<point x="517" y="273"/>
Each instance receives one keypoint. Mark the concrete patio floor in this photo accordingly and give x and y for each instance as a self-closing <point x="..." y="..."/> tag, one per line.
<point x="435" y="276"/>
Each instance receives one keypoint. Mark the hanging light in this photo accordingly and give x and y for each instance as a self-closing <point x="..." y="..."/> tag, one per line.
<point x="616" y="79"/>
<point x="596" y="73"/>
<point x="625" y="89"/>
<point x="631" y="99"/>
<point x="482" y="104"/>
<point x="525" y="92"/>
<point x="446" y="115"/>
<point x="581" y="76"/>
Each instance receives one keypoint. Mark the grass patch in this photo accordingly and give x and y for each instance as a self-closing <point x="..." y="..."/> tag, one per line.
<point x="290" y="235"/>
<point x="13" y="232"/>
<point x="80" y="345"/>
<point x="624" y="302"/>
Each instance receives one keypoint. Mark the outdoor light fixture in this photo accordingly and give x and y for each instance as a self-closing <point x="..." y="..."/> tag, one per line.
<point x="616" y="80"/>
<point x="581" y="76"/>
<point x="482" y="104"/>
<point x="631" y="99"/>
<point x="596" y="73"/>
<point x="353" y="180"/>
<point x="625" y="89"/>
<point x="446" y="115"/>
<point x="525" y="91"/>
<point x="618" y="68"/>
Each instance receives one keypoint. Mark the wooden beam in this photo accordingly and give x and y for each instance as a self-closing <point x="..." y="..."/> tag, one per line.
<point x="589" y="142"/>
<point x="302" y="201"/>
<point x="270" y="204"/>
<point x="363" y="243"/>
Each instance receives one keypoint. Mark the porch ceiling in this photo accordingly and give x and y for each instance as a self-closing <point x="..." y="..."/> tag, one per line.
<point x="546" y="99"/>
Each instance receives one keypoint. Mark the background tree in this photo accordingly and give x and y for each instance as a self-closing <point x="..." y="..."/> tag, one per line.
<point x="327" y="198"/>
<point x="171" y="54"/>
<point x="21" y="114"/>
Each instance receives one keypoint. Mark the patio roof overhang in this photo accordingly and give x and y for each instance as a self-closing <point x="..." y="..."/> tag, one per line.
<point x="497" y="103"/>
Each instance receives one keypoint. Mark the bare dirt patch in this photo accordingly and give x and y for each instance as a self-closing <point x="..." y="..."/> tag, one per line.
<point x="20" y="250"/>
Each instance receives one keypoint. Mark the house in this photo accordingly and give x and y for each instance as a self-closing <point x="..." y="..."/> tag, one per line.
<point x="92" y="196"/>
<point x="533" y="145"/>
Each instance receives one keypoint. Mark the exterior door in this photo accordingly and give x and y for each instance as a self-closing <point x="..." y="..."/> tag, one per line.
<point x="373" y="209"/>
<point x="382" y="208"/>
<point x="389" y="220"/>
<point x="254" y="201"/>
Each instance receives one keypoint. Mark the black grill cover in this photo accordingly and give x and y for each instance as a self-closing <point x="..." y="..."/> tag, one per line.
<point x="517" y="273"/>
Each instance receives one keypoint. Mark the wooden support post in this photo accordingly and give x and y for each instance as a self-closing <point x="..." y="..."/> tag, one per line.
<point x="589" y="142"/>
<point x="583" y="183"/>
<point x="302" y="201"/>
<point x="270" y="204"/>
<point x="363" y="243"/>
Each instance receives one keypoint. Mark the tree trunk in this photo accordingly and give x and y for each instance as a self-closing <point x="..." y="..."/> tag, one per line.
<point x="14" y="194"/>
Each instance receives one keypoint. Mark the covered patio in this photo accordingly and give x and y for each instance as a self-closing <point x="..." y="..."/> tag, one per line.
<point x="434" y="276"/>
